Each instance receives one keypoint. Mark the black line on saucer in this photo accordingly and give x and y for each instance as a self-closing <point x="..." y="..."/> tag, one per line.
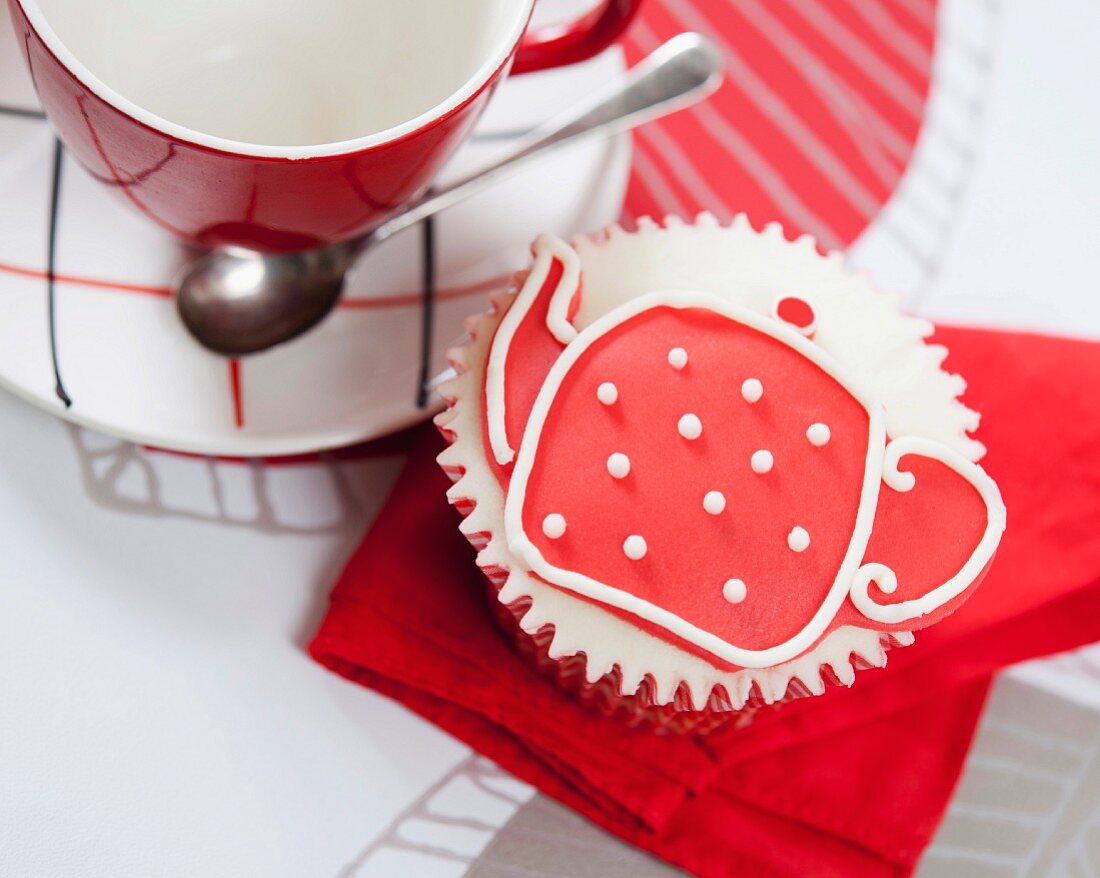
<point x="427" y="313"/>
<point x="22" y="112"/>
<point x="51" y="265"/>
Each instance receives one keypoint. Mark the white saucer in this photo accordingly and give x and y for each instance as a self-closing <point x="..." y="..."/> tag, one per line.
<point x="130" y="369"/>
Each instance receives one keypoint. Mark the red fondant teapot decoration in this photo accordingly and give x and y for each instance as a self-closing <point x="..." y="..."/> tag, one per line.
<point x="712" y="474"/>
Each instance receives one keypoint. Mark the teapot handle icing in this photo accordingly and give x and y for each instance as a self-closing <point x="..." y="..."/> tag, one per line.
<point x="957" y="474"/>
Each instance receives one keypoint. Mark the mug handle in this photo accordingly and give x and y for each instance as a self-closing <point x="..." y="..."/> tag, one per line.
<point x="559" y="44"/>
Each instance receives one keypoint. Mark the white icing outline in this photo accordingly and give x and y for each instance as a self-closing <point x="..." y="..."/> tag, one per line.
<point x="546" y="249"/>
<point x="522" y="547"/>
<point x="903" y="481"/>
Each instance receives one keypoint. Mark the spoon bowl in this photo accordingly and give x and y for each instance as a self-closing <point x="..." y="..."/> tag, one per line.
<point x="239" y="302"/>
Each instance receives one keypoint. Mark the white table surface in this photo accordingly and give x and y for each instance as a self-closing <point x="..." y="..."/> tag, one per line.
<point x="158" y="714"/>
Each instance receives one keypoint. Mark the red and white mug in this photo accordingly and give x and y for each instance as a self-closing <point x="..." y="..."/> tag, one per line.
<point x="279" y="124"/>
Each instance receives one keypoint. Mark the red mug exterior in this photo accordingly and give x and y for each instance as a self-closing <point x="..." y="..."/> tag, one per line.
<point x="216" y="197"/>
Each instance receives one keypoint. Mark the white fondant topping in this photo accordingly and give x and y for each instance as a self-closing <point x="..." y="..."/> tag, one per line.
<point x="547" y="248"/>
<point x="798" y="539"/>
<point x="634" y="547"/>
<point x="714" y="502"/>
<point x="752" y="390"/>
<point x="554" y="526"/>
<point x="762" y="461"/>
<point x="618" y="464"/>
<point x="903" y="481"/>
<point x="734" y="591"/>
<point x="607" y="393"/>
<point x="819" y="434"/>
<point x="522" y="547"/>
<point x="689" y="426"/>
<point x="677" y="358"/>
<point x="625" y="265"/>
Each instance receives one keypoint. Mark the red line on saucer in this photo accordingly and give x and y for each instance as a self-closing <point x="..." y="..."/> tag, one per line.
<point x="398" y="300"/>
<point x="120" y="286"/>
<point x="237" y="391"/>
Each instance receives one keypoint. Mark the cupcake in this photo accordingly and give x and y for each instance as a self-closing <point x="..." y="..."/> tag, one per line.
<point x="707" y="470"/>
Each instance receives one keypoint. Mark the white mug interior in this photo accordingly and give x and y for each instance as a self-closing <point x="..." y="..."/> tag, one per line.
<point x="282" y="77"/>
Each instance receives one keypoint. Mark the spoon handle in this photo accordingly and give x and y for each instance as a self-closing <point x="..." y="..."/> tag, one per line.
<point x="675" y="75"/>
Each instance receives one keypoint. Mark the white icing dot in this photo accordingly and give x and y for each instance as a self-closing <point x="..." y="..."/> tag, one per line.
<point x="762" y="461"/>
<point x="554" y="525"/>
<point x="798" y="539"/>
<point x="634" y="547"/>
<point x="618" y="464"/>
<point x="690" y="426"/>
<point x="677" y="358"/>
<point x="752" y="390"/>
<point x="734" y="591"/>
<point x="818" y="434"/>
<point x="714" y="502"/>
<point x="607" y="393"/>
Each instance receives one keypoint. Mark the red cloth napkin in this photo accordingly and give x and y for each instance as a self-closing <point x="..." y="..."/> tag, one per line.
<point x="851" y="783"/>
